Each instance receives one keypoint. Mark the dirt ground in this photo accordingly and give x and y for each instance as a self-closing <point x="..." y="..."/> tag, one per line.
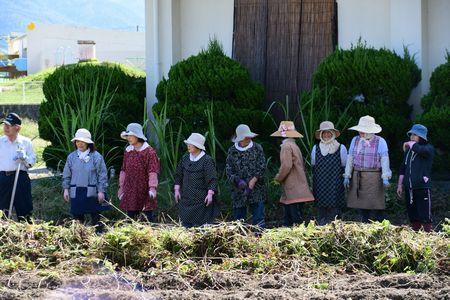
<point x="232" y="285"/>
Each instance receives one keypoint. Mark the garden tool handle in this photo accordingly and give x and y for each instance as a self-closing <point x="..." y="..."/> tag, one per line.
<point x="13" y="194"/>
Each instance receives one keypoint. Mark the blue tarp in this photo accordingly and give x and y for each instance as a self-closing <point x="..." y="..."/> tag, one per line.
<point x="20" y="63"/>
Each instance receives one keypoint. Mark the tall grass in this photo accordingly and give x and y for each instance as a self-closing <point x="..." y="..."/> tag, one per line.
<point x="169" y="142"/>
<point x="88" y="111"/>
<point x="213" y="142"/>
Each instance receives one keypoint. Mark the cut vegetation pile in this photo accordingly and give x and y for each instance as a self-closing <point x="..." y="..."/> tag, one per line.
<point x="378" y="248"/>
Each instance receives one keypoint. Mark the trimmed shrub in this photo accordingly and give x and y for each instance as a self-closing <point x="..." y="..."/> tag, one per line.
<point x="377" y="81"/>
<point x="436" y="114"/>
<point x="102" y="97"/>
<point x="211" y="77"/>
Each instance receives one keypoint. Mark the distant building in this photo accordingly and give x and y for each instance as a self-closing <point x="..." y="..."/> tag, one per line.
<point x="45" y="45"/>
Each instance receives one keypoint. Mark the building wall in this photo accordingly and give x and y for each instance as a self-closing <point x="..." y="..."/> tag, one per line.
<point x="421" y="25"/>
<point x="50" y="45"/>
<point x="177" y="29"/>
<point x="365" y="19"/>
<point x="438" y="32"/>
<point x="17" y="46"/>
<point x="201" y="20"/>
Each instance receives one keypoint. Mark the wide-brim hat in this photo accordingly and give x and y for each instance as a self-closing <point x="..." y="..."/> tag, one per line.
<point x="327" y="126"/>
<point x="83" y="135"/>
<point x="287" y="130"/>
<point x="367" y="124"/>
<point x="197" y="140"/>
<point x="419" y="130"/>
<point x="242" y="132"/>
<point x="134" y="129"/>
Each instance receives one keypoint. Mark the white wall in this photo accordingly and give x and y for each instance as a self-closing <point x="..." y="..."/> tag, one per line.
<point x="421" y="25"/>
<point x="367" y="19"/>
<point x="177" y="29"/>
<point x="17" y="46"/>
<point x="438" y="33"/>
<point x="49" y="45"/>
<point x="203" y="19"/>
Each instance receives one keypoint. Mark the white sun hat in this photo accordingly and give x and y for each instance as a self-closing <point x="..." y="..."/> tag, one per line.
<point x="83" y="135"/>
<point x="197" y="140"/>
<point x="367" y="124"/>
<point x="134" y="129"/>
<point x="242" y="132"/>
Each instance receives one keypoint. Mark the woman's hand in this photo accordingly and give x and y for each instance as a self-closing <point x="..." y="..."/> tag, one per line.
<point x="152" y="193"/>
<point x="400" y="190"/>
<point x="101" y="197"/>
<point x="66" y="195"/>
<point x="177" y="193"/>
<point x="252" y="183"/>
<point x="209" y="198"/>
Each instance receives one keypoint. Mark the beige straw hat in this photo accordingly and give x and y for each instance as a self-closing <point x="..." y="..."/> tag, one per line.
<point x="287" y="130"/>
<point x="327" y="126"/>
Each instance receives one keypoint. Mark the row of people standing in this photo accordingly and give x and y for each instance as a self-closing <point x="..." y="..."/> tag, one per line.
<point x="365" y="169"/>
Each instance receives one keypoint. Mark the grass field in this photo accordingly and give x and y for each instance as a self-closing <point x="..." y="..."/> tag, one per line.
<point x="21" y="93"/>
<point x="24" y="90"/>
<point x="30" y="130"/>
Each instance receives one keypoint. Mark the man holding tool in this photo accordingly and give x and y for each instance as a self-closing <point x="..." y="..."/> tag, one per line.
<point x="16" y="157"/>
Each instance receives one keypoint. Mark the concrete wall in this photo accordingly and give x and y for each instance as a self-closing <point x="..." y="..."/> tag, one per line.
<point x="438" y="33"/>
<point x="50" y="45"/>
<point x="177" y="29"/>
<point x="201" y="20"/>
<point x="421" y="25"/>
<point x="367" y="19"/>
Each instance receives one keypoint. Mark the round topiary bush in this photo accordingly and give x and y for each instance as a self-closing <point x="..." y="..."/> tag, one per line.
<point x="212" y="77"/>
<point x="102" y="97"/>
<point x="369" y="81"/>
<point x="436" y="114"/>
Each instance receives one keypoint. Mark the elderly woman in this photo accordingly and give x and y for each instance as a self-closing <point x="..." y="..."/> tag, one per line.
<point x="291" y="175"/>
<point x="245" y="169"/>
<point x="196" y="184"/>
<point x="367" y="170"/>
<point x="328" y="160"/>
<point x="85" y="179"/>
<point x="415" y="178"/>
<point x="138" y="178"/>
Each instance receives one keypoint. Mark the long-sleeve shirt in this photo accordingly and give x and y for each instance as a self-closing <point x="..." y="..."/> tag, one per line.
<point x="80" y="173"/>
<point x="416" y="166"/>
<point x="8" y="151"/>
<point x="244" y="164"/>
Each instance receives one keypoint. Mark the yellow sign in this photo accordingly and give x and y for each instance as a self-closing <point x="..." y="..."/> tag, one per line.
<point x="31" y="26"/>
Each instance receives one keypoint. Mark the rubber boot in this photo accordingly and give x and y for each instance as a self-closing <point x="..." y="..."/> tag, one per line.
<point x="427" y="227"/>
<point x="416" y="226"/>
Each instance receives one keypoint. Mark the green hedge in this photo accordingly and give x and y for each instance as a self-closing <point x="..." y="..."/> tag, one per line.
<point x="380" y="79"/>
<point x="212" y="77"/>
<point x="436" y="114"/>
<point x="72" y="86"/>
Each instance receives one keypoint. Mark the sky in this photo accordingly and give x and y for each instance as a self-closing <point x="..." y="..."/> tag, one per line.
<point x="15" y="15"/>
